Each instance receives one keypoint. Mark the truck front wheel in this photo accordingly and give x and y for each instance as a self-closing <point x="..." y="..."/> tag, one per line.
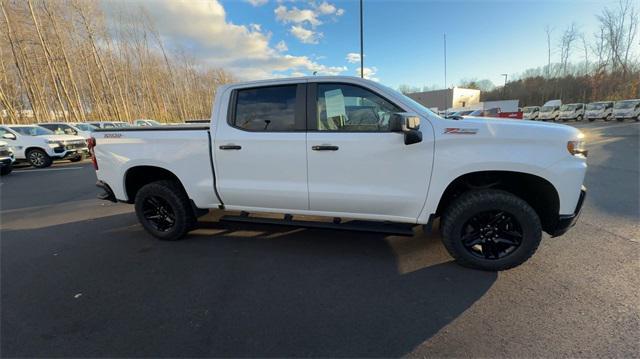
<point x="38" y="158"/>
<point x="164" y="210"/>
<point x="490" y="230"/>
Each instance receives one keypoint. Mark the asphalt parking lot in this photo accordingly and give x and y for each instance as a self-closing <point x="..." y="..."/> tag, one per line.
<point x="79" y="277"/>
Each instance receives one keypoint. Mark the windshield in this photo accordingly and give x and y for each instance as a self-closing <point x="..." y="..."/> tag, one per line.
<point x="528" y="109"/>
<point x="548" y="108"/>
<point x="84" y="127"/>
<point x="626" y="104"/>
<point x="32" y="130"/>
<point x="568" y="107"/>
<point x="412" y="101"/>
<point x="595" y="106"/>
<point x="120" y="124"/>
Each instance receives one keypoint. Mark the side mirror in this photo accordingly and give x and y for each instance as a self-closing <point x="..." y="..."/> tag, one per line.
<point x="9" y="136"/>
<point x="407" y="123"/>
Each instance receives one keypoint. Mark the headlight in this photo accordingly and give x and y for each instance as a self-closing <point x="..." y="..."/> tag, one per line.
<point x="577" y="148"/>
<point x="54" y="144"/>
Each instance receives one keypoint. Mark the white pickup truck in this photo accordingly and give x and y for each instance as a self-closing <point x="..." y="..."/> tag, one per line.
<point x="347" y="148"/>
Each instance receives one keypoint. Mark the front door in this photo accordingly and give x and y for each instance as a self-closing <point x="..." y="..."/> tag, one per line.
<point x="260" y="149"/>
<point x="357" y="167"/>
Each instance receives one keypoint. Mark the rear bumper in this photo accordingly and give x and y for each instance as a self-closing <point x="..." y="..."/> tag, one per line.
<point x="565" y="222"/>
<point x="107" y="195"/>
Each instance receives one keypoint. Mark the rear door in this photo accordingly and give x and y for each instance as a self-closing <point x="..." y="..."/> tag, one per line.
<point x="357" y="167"/>
<point x="260" y="149"/>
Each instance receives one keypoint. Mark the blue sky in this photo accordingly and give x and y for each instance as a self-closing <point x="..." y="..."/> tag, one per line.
<point x="403" y="39"/>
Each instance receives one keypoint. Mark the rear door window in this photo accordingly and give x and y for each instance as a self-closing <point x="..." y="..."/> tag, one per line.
<point x="268" y="109"/>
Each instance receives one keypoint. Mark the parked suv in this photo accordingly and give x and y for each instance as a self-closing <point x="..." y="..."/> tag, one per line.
<point x="40" y="146"/>
<point x="572" y="111"/>
<point x="70" y="128"/>
<point x="6" y="158"/>
<point x="599" y="110"/>
<point x="627" y="109"/>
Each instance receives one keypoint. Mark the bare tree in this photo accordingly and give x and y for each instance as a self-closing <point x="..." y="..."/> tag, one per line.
<point x="566" y="45"/>
<point x="619" y="27"/>
<point x="548" y="31"/>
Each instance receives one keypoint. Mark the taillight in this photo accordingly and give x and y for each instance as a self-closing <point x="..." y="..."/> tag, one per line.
<point x="91" y="144"/>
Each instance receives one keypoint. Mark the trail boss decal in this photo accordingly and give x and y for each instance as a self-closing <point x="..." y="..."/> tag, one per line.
<point x="460" y="131"/>
<point x="112" y="135"/>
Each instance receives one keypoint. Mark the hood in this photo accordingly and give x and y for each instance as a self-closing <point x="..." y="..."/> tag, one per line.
<point x="62" y="138"/>
<point x="522" y="128"/>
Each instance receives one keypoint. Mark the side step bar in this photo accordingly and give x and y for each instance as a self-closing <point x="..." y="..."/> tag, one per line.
<point x="398" y="229"/>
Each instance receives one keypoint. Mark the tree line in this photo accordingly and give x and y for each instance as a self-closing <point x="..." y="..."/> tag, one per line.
<point x="62" y="60"/>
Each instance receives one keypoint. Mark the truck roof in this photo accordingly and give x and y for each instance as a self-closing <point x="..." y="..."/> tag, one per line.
<point x="298" y="79"/>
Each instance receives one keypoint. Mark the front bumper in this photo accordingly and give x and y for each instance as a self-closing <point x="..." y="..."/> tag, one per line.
<point x="6" y="161"/>
<point x="565" y="222"/>
<point x="64" y="154"/>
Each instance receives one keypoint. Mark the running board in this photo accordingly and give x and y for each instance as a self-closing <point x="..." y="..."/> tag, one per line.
<point x="398" y="229"/>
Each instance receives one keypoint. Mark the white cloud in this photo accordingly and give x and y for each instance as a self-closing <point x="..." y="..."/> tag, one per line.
<point x="369" y="73"/>
<point x="302" y="19"/>
<point x="353" y="58"/>
<point x="244" y="50"/>
<point x="257" y="2"/>
<point x="296" y="16"/>
<point x="305" y="36"/>
<point x="281" y="46"/>
<point x="326" y="8"/>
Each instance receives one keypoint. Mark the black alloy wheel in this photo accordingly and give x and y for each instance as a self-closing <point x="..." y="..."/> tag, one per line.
<point x="158" y="213"/>
<point x="491" y="234"/>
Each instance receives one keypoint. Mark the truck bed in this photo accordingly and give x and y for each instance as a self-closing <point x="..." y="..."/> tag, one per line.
<point x="184" y="151"/>
<point x="184" y="127"/>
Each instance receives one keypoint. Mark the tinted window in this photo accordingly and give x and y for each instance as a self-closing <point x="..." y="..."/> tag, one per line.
<point x="352" y="108"/>
<point x="266" y="108"/>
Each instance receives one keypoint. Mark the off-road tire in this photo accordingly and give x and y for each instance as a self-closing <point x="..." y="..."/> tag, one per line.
<point x="6" y="170"/>
<point x="473" y="202"/>
<point x="38" y="158"/>
<point x="174" y="195"/>
<point x="579" y="118"/>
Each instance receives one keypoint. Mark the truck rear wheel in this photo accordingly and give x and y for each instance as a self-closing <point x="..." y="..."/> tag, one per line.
<point x="490" y="230"/>
<point x="164" y="210"/>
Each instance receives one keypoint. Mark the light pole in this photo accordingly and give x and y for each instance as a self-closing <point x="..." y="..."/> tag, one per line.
<point x="504" y="88"/>
<point x="361" y="44"/>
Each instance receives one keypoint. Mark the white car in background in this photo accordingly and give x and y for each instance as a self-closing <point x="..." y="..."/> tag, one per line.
<point x="597" y="110"/>
<point x="70" y="128"/>
<point x="571" y="111"/>
<point x="6" y="158"/>
<point x="627" y="109"/>
<point x="109" y="124"/>
<point x="40" y="146"/>
<point x="530" y="113"/>
<point x="143" y="122"/>
<point x="550" y="110"/>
